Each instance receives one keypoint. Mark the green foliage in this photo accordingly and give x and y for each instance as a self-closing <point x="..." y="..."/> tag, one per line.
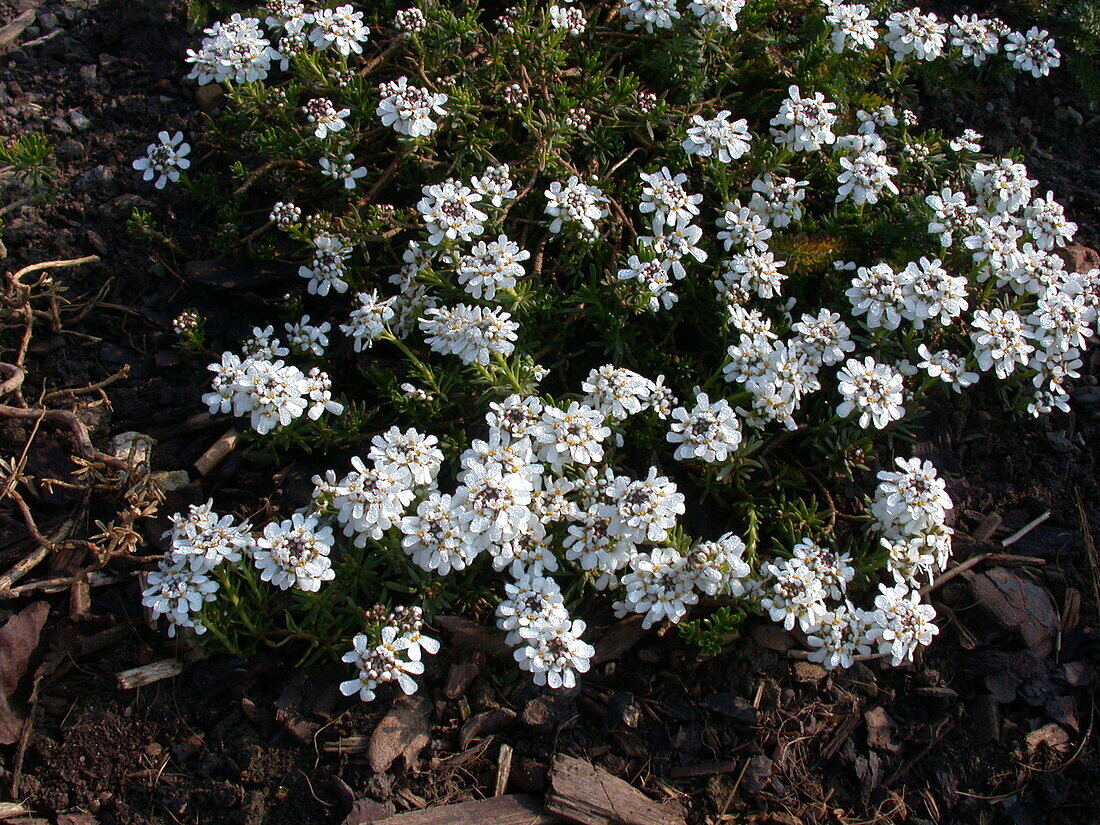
<point x="714" y="632"/>
<point x="27" y="159"/>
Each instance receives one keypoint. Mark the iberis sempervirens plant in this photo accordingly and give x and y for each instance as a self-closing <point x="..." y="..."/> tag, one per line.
<point x="601" y="302"/>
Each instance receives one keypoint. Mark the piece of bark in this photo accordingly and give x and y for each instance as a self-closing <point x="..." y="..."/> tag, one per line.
<point x="581" y="792"/>
<point x="618" y="639"/>
<point x="471" y="636"/>
<point x="504" y="770"/>
<point x="484" y="724"/>
<point x="502" y="810"/>
<point x="147" y="674"/>
<point x="19" y="639"/>
<point x="461" y="674"/>
<point x="16" y="27"/>
<point x="403" y="732"/>
<point x="217" y="452"/>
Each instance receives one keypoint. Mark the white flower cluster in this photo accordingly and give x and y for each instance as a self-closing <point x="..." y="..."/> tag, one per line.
<point x="236" y="50"/>
<point x="408" y="109"/>
<point x="270" y="392"/>
<point x="164" y="160"/>
<point x="397" y="656"/>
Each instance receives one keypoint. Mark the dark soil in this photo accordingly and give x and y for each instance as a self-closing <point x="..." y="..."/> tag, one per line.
<point x="995" y="724"/>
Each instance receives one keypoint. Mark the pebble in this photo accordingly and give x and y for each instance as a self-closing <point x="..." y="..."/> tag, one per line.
<point x="89" y="73"/>
<point x="48" y="21"/>
<point x="59" y="124"/>
<point x="71" y="149"/>
<point x="79" y="121"/>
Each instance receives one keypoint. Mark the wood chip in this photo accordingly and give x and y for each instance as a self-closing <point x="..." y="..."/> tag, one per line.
<point x="504" y="770"/>
<point x="403" y="732"/>
<point x="501" y="810"/>
<point x="217" y="452"/>
<point x="148" y="674"/>
<point x="583" y="793"/>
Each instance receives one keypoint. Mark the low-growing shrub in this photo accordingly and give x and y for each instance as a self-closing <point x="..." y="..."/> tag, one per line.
<point x="618" y="307"/>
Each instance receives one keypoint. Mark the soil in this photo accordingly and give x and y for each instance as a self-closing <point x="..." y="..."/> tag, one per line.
<point x="994" y="724"/>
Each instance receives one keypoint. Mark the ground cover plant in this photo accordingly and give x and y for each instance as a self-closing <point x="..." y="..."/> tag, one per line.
<point x="613" y="307"/>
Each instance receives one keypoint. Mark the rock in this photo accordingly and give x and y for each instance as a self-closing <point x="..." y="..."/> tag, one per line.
<point x="209" y="97"/>
<point x="48" y="21"/>
<point x="89" y="74"/>
<point x="59" y="124"/>
<point x="94" y="178"/>
<point x="70" y="149"/>
<point x="132" y="446"/>
<point x="79" y="121"/>
<point x="366" y="812"/>
<point x="171" y="480"/>
<point x="808" y="673"/>
<point x="772" y="637"/>
<point x="880" y="729"/>
<point x="1082" y="258"/>
<point x="1050" y="735"/>
<point x="733" y="707"/>
<point x="547" y="711"/>
<point x="1086" y="397"/>
<point x="1019" y="604"/>
<point x="403" y="732"/>
<point x="757" y="774"/>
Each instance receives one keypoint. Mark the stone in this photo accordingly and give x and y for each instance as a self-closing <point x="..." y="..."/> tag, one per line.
<point x="209" y="97"/>
<point x="60" y="124"/>
<point x="70" y="149"/>
<point x="48" y="21"/>
<point x="79" y="121"/>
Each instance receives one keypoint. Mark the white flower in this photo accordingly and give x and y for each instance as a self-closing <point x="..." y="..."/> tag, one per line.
<point x="840" y="636"/>
<point x="435" y="537"/>
<point x="368" y="501"/>
<point x="473" y="333"/>
<point x="929" y="292"/>
<point x="449" y="212"/>
<point x="1033" y="52"/>
<point x="778" y="200"/>
<point x="953" y="216"/>
<point x="969" y="141"/>
<point x="496" y="265"/>
<point x="654" y="278"/>
<point x="804" y="124"/>
<point x="976" y="38"/>
<point x="1047" y="224"/>
<point x="659" y="586"/>
<point x="1000" y="341"/>
<point x="495" y="185"/>
<point x="665" y="197"/>
<point x="178" y="593"/>
<point x="864" y="177"/>
<point x="572" y="435"/>
<point x="825" y="339"/>
<point x="368" y="320"/>
<point x="235" y="50"/>
<point x="326" y="271"/>
<point x="616" y="391"/>
<point x="567" y="17"/>
<point x="912" y="33"/>
<point x="164" y="160"/>
<point x="285" y="214"/>
<point x="718" y="137"/>
<point x="307" y="338"/>
<point x="530" y="602"/>
<point x="911" y="501"/>
<point x="853" y="27"/>
<point x="295" y="553"/>
<point x="554" y="654"/>
<point x="410" y="20"/>
<point x="342" y="170"/>
<point x="718" y="567"/>
<point x="718" y="12"/>
<point x="576" y="202"/>
<point x="409" y="109"/>
<point x="834" y="570"/>
<point x="326" y="117"/>
<point x="1003" y="186"/>
<point x="743" y="227"/>
<point x="946" y="366"/>
<point x="341" y="28"/>
<point x="901" y="623"/>
<point x="651" y="14"/>
<point x="793" y="594"/>
<point x="754" y="272"/>
<point x="202" y="539"/>
<point x="879" y="293"/>
<point x="709" y="431"/>
<point x="411" y="458"/>
<point x="876" y="391"/>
